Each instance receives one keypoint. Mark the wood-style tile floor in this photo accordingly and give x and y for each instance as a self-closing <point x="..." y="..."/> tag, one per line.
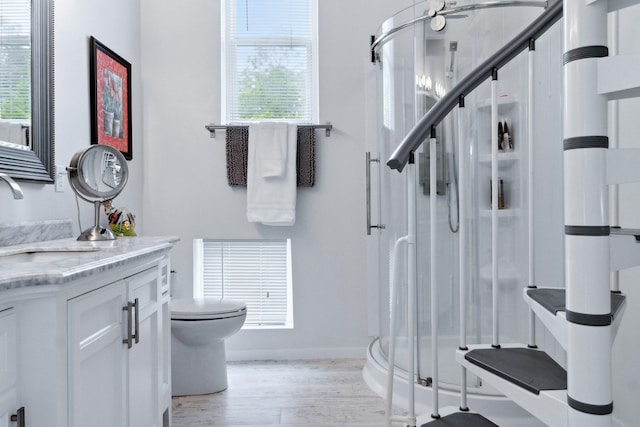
<point x="318" y="393"/>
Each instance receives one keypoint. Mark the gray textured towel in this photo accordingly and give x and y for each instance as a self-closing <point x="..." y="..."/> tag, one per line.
<point x="306" y="157"/>
<point x="237" y="142"/>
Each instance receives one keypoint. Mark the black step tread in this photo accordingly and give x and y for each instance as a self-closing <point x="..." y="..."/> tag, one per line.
<point x="461" y="419"/>
<point x="530" y="369"/>
<point x="553" y="299"/>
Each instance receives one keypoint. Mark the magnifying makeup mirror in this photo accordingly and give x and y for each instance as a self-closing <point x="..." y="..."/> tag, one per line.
<point x="98" y="174"/>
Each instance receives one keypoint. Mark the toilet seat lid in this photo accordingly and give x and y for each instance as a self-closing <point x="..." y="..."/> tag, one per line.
<point x="206" y="308"/>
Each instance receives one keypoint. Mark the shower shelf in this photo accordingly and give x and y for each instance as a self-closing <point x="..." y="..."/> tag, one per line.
<point x="503" y="101"/>
<point x="505" y="158"/>
<point x="502" y="213"/>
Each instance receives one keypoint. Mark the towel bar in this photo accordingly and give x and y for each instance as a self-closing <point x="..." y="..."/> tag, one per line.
<point x="212" y="128"/>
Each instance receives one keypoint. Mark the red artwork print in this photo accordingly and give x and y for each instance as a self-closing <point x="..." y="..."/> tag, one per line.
<point x="112" y="106"/>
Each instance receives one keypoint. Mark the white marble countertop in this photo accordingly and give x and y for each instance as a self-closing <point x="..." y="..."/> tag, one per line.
<point x="56" y="262"/>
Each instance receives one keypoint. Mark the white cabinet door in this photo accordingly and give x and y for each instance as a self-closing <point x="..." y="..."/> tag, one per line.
<point x="144" y="357"/>
<point x="97" y="388"/>
<point x="113" y="382"/>
<point x="8" y="367"/>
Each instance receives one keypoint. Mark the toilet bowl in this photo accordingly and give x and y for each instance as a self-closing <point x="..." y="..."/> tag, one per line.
<point x="198" y="329"/>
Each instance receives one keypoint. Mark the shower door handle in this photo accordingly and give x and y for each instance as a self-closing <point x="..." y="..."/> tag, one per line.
<point x="368" y="173"/>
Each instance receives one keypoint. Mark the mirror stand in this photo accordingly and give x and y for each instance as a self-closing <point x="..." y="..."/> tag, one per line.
<point x="97" y="232"/>
<point x="98" y="174"/>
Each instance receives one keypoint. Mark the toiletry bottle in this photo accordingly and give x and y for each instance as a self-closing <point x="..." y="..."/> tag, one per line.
<point x="500" y="193"/>
<point x="507" y="138"/>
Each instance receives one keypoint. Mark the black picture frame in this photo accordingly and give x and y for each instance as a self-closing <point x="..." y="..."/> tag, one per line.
<point x="110" y="93"/>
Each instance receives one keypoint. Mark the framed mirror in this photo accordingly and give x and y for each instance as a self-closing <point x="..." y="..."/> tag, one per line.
<point x="34" y="161"/>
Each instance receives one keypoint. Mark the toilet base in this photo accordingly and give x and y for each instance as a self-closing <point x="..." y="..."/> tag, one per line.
<point x="197" y="369"/>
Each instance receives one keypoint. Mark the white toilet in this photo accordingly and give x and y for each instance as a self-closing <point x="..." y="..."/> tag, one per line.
<point x="198" y="329"/>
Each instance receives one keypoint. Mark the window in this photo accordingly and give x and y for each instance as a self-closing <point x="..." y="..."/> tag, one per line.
<point x="270" y="67"/>
<point x="256" y="272"/>
<point x="15" y="59"/>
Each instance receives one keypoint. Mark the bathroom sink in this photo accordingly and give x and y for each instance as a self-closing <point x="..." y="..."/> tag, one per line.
<point x="44" y="255"/>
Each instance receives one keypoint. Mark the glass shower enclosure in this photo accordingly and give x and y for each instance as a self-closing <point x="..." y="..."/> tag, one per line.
<point x="419" y="54"/>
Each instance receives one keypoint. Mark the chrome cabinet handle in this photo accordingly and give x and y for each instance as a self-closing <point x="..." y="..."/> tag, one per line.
<point x="136" y="335"/>
<point x="368" y="169"/>
<point x="19" y="417"/>
<point x="129" y="309"/>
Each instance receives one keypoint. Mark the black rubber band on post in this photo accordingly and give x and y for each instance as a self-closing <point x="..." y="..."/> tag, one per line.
<point x="585" y="52"/>
<point x="461" y="101"/>
<point x="594" y="141"/>
<point x="373" y="52"/>
<point x="588" y="408"/>
<point x="494" y="73"/>
<point x="588" y="319"/>
<point x="532" y="44"/>
<point x="587" y="230"/>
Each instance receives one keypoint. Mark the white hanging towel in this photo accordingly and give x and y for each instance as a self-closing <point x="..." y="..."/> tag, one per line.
<point x="11" y="132"/>
<point x="271" y="173"/>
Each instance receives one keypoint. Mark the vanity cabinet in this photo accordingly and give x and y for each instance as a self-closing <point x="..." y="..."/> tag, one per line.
<point x="92" y="349"/>
<point x="117" y="352"/>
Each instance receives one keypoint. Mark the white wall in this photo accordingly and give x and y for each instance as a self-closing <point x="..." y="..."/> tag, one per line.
<point x="116" y="25"/>
<point x="186" y="192"/>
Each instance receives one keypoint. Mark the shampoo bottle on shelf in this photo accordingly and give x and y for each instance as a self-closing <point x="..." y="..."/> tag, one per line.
<point x="501" y="204"/>
<point x="507" y="138"/>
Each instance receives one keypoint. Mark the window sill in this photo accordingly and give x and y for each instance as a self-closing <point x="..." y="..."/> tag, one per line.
<point x="266" y="327"/>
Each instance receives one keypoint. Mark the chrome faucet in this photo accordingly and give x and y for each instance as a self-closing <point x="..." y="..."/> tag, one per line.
<point x="17" y="191"/>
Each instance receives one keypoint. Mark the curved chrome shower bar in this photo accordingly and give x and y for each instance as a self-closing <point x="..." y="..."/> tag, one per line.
<point x="383" y="38"/>
<point x="438" y="112"/>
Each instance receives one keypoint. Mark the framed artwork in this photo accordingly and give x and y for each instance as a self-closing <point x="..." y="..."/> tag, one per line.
<point x="110" y="88"/>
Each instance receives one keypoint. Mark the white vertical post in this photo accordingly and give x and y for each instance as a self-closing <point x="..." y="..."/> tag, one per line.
<point x="494" y="207"/>
<point x="433" y="267"/>
<point x="531" y="142"/>
<point x="586" y="215"/>
<point x="411" y="284"/>
<point x="614" y="120"/>
<point x="462" y="247"/>
<point x="392" y="328"/>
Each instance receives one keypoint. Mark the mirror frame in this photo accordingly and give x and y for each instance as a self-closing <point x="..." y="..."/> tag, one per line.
<point x="77" y="172"/>
<point x="37" y="164"/>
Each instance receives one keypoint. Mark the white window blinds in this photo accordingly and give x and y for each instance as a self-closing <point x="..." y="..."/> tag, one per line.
<point x="270" y="68"/>
<point x="15" y="59"/>
<point x="256" y="272"/>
